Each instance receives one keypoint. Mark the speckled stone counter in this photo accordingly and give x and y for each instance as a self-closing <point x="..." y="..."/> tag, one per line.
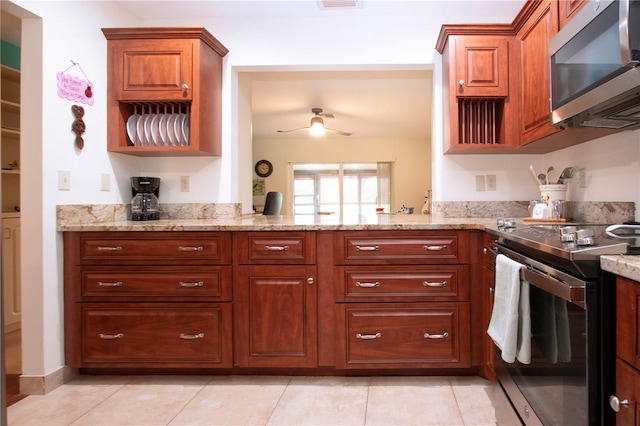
<point x="627" y="266"/>
<point x="284" y="223"/>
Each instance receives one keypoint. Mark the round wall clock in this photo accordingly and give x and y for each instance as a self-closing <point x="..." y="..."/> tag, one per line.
<point x="264" y="168"/>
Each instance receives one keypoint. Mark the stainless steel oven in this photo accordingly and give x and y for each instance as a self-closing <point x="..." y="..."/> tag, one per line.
<point x="572" y="317"/>
<point x="559" y="386"/>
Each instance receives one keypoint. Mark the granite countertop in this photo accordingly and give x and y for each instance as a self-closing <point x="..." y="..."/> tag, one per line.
<point x="627" y="266"/>
<point x="283" y="223"/>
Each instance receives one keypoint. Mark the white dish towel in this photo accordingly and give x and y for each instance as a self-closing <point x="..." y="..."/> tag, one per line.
<point x="510" y="325"/>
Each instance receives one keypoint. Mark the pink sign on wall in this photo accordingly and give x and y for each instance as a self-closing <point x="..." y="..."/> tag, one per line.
<point x="74" y="88"/>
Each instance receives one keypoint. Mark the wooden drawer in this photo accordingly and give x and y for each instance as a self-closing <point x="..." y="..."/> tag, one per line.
<point x="407" y="247"/>
<point x="627" y="388"/>
<point x="275" y="247"/>
<point x="488" y="257"/>
<point x="169" y="248"/>
<point x="403" y="284"/>
<point x="127" y="283"/>
<point x="404" y="335"/>
<point x="152" y="335"/>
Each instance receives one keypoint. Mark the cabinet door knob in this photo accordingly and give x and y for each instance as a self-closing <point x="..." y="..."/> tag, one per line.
<point x="182" y="248"/>
<point x="435" y="248"/>
<point x="191" y="336"/>
<point x="111" y="336"/>
<point x="309" y="281"/>
<point x="185" y="86"/>
<point x="368" y="285"/>
<point x="615" y="403"/>
<point x="461" y="83"/>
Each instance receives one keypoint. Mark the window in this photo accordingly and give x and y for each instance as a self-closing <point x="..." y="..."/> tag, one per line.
<point x="349" y="190"/>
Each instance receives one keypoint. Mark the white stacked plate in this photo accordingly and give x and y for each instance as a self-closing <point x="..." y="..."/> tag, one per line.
<point x="159" y="129"/>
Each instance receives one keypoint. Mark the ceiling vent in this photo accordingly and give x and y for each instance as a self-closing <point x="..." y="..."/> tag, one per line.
<point x="340" y="4"/>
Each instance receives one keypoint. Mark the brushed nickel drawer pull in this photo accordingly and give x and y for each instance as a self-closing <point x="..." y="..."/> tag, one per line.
<point x="367" y="285"/>
<point x="276" y="248"/>
<point x="199" y="248"/>
<point x="435" y="284"/>
<point x="116" y="284"/>
<point x="436" y="336"/>
<point x="435" y="248"/>
<point x="111" y="336"/>
<point x="368" y="336"/>
<point x="198" y="284"/>
<point x="192" y="336"/>
<point x="367" y="248"/>
<point x="118" y="248"/>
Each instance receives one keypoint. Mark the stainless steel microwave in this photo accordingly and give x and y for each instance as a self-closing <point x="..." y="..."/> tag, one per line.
<point x="594" y="67"/>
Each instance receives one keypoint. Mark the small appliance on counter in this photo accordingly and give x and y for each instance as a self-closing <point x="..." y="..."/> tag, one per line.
<point x="145" y="204"/>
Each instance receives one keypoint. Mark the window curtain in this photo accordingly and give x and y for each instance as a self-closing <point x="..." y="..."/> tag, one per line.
<point x="384" y="185"/>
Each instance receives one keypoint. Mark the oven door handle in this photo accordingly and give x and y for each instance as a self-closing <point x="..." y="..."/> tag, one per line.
<point x="566" y="291"/>
<point x="545" y="278"/>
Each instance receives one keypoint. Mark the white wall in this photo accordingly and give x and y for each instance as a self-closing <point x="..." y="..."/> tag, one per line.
<point x="70" y="30"/>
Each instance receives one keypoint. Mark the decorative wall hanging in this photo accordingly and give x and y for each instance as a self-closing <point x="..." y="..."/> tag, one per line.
<point x="74" y="88"/>
<point x="78" y="125"/>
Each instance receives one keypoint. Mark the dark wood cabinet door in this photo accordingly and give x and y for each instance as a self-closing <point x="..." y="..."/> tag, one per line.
<point x="275" y="316"/>
<point x="152" y="69"/>
<point x="482" y="67"/>
<point x="627" y="320"/>
<point x="532" y="40"/>
<point x="627" y="392"/>
<point x="567" y="9"/>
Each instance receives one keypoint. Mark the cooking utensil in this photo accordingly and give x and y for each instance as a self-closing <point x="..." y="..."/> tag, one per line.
<point x="553" y="176"/>
<point x="566" y="174"/>
<point x="542" y="178"/>
<point x="534" y="174"/>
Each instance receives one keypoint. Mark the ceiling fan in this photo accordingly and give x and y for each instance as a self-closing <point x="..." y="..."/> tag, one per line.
<point x="316" y="127"/>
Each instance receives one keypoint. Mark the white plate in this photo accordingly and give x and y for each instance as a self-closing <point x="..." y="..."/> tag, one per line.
<point x="170" y="137"/>
<point x="153" y="127"/>
<point x="147" y="130"/>
<point x="131" y="128"/>
<point x="185" y="129"/>
<point x="162" y="129"/>
<point x="177" y="127"/>
<point x="140" y="129"/>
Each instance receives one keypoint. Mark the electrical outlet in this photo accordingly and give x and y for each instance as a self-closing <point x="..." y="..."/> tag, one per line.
<point x="64" y="180"/>
<point x="105" y="182"/>
<point x="582" y="177"/>
<point x="480" y="186"/>
<point x="491" y="182"/>
<point x="184" y="183"/>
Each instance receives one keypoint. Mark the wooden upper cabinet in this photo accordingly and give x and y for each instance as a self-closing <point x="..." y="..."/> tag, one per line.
<point x="532" y="43"/>
<point x="154" y="70"/>
<point x="164" y="94"/>
<point x="482" y="66"/>
<point x="567" y="10"/>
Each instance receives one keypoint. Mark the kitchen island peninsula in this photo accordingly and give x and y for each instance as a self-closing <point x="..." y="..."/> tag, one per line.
<point x="379" y="294"/>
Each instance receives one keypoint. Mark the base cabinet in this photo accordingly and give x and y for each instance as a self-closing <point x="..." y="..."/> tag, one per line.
<point x="275" y="300"/>
<point x="627" y="352"/>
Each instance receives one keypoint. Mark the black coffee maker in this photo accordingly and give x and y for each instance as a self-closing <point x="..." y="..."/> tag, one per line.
<point x="145" y="204"/>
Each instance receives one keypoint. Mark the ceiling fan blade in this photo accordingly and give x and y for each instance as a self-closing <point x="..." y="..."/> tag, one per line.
<point x="340" y="132"/>
<point x="292" y="130"/>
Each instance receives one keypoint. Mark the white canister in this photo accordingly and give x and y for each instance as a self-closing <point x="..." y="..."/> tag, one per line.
<point x="551" y="193"/>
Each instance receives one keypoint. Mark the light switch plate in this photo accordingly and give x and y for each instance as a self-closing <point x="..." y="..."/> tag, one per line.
<point x="105" y="182"/>
<point x="64" y="180"/>
<point x="184" y="183"/>
<point x="480" y="185"/>
<point x="491" y="182"/>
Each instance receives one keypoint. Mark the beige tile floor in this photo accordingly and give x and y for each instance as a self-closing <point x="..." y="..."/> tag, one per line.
<point x="260" y="400"/>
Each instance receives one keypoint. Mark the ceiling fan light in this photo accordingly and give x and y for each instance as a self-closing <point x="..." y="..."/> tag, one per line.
<point x="317" y="127"/>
